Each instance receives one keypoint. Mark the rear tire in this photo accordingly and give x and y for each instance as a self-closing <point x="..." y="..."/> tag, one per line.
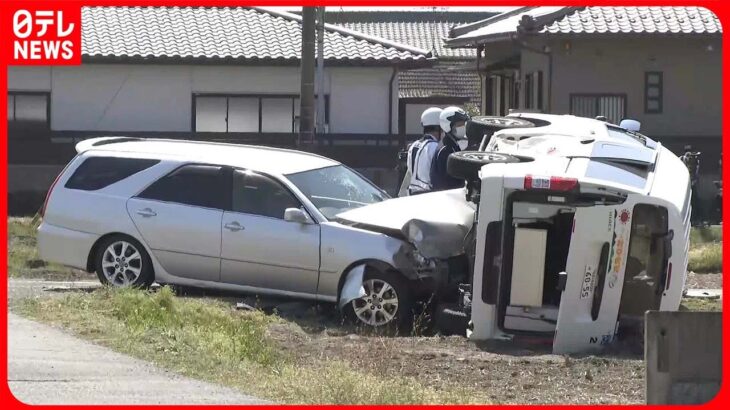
<point x="388" y="305"/>
<point x="466" y="164"/>
<point x="121" y="261"/>
<point x="482" y="125"/>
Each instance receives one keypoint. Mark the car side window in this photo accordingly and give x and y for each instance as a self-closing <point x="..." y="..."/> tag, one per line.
<point x="258" y="194"/>
<point x="99" y="172"/>
<point x="196" y="185"/>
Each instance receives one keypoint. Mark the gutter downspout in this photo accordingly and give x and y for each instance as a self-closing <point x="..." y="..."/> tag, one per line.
<point x="482" y="92"/>
<point x="390" y="100"/>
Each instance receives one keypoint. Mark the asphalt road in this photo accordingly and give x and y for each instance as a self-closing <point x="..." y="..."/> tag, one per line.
<point x="48" y="366"/>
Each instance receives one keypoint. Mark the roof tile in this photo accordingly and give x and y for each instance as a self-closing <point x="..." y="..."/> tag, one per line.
<point x="238" y="33"/>
<point x="661" y="20"/>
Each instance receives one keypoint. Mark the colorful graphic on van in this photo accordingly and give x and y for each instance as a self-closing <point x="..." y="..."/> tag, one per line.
<point x="619" y="245"/>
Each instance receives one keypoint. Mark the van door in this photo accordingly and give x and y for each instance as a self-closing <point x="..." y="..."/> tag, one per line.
<point x="592" y="292"/>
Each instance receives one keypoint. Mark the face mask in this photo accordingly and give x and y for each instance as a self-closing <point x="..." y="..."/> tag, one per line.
<point x="460" y="132"/>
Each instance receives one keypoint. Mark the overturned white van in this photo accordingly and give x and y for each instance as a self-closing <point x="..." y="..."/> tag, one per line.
<point x="579" y="226"/>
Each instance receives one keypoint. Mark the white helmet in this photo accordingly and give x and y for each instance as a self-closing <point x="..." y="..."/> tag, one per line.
<point x="451" y="115"/>
<point x="430" y="117"/>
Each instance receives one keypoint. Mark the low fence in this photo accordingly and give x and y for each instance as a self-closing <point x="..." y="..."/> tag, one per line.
<point x="34" y="162"/>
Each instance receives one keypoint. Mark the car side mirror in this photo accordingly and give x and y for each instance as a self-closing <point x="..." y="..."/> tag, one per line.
<point x="297" y="215"/>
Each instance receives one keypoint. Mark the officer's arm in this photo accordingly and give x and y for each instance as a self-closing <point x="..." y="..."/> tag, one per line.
<point x="438" y="169"/>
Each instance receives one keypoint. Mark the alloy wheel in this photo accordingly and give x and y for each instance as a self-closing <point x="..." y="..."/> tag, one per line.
<point x="379" y="305"/>
<point x="121" y="263"/>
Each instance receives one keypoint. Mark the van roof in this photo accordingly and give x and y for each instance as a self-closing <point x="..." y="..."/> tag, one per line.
<point x="266" y="159"/>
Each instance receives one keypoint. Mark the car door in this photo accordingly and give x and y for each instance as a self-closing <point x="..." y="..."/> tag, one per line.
<point x="259" y="247"/>
<point x="179" y="217"/>
<point x="590" y="300"/>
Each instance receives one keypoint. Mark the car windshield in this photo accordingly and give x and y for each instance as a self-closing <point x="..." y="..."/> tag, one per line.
<point x="336" y="189"/>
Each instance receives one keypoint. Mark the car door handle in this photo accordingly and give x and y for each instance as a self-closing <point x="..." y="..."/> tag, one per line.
<point x="234" y="226"/>
<point x="146" y="212"/>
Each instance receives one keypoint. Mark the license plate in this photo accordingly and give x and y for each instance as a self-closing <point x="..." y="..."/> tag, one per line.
<point x="586" y="288"/>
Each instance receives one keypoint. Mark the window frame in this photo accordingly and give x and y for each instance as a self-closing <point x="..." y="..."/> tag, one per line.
<point x="14" y="93"/>
<point x="597" y="97"/>
<point x="302" y="204"/>
<point x="260" y="98"/>
<point x="226" y="174"/>
<point x="659" y="99"/>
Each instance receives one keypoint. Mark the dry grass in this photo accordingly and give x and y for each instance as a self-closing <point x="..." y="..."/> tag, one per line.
<point x="23" y="258"/>
<point x="209" y="340"/>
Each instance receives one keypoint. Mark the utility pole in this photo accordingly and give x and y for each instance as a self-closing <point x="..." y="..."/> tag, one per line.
<point x="320" y="72"/>
<point x="306" y="109"/>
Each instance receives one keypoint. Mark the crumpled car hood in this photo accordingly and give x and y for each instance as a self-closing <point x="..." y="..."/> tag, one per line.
<point x="435" y="223"/>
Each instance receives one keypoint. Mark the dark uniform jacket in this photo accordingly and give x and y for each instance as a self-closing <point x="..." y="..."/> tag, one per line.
<point x="440" y="179"/>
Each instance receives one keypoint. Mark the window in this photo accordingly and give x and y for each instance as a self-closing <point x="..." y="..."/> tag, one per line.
<point x="28" y="109"/>
<point x="197" y="185"/>
<point x="646" y="264"/>
<point x="502" y="94"/>
<point x="533" y="90"/>
<point x="248" y="113"/>
<point x="336" y="189"/>
<point x="611" y="106"/>
<point x="258" y="194"/>
<point x="653" y="92"/>
<point x="99" y="172"/>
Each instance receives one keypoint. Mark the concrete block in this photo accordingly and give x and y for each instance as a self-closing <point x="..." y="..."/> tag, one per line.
<point x="683" y="353"/>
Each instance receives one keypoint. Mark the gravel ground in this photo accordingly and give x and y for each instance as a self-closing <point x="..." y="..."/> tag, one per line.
<point x="703" y="281"/>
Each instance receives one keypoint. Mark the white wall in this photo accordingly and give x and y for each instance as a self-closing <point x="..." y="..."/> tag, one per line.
<point x="692" y="101"/>
<point x="97" y="97"/>
<point x="359" y="100"/>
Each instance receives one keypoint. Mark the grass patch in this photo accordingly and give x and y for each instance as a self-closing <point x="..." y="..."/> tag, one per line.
<point x="705" y="258"/>
<point x="701" y="304"/>
<point x="705" y="252"/>
<point x="23" y="258"/>
<point x="703" y="235"/>
<point x="209" y="340"/>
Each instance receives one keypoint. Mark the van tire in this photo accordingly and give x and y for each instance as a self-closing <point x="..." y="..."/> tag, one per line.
<point x="482" y="125"/>
<point x="466" y="164"/>
<point x="146" y="275"/>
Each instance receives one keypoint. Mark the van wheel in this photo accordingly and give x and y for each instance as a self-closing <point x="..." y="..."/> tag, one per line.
<point x="482" y="125"/>
<point x="121" y="261"/>
<point x="387" y="305"/>
<point x="466" y="164"/>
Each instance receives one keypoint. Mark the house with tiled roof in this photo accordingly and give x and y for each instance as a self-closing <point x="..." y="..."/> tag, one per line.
<point x="659" y="65"/>
<point x="444" y="83"/>
<point x="209" y="73"/>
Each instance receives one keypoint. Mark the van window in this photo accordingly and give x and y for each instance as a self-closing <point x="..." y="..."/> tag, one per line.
<point x="99" y="172"/>
<point x="197" y="185"/>
<point x="616" y="171"/>
<point x="258" y="194"/>
<point x="646" y="262"/>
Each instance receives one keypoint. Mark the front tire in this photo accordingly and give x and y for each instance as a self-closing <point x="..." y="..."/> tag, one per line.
<point x="121" y="261"/>
<point x="388" y="304"/>
<point x="466" y="164"/>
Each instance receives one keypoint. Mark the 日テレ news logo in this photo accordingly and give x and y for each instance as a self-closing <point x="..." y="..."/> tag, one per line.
<point x="45" y="35"/>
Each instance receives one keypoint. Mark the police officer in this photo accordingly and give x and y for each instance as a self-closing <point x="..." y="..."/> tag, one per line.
<point x="422" y="152"/>
<point x="453" y="124"/>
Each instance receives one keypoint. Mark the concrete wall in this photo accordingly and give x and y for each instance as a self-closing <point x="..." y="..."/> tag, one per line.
<point x="96" y="97"/>
<point x="683" y="353"/>
<point x="692" y="78"/>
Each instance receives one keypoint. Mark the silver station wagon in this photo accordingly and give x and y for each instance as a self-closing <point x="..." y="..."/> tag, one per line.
<point x="241" y="218"/>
